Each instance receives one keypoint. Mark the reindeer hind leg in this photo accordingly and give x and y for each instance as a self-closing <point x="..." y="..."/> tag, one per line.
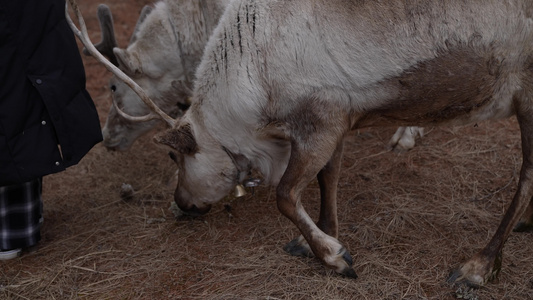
<point x="485" y="265"/>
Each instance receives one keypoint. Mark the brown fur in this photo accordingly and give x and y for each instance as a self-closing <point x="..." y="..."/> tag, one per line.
<point x="449" y="86"/>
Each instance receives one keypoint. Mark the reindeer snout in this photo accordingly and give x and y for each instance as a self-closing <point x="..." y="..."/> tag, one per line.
<point x="189" y="208"/>
<point x="193" y="210"/>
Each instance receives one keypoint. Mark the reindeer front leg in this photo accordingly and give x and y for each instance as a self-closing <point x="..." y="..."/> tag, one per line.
<point x="328" y="179"/>
<point x="304" y="164"/>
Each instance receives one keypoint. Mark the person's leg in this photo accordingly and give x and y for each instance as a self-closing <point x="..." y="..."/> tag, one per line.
<point x="20" y="215"/>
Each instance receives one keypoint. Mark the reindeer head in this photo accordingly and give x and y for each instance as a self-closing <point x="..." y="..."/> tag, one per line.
<point x="206" y="170"/>
<point x="152" y="60"/>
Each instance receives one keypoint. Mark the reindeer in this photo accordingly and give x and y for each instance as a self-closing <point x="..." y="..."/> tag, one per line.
<point x="163" y="53"/>
<point x="281" y="83"/>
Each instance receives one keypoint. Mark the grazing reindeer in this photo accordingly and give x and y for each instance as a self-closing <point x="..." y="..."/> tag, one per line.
<point x="282" y="82"/>
<point x="162" y="56"/>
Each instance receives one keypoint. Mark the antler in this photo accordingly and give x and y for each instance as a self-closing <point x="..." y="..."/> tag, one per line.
<point x="84" y="38"/>
<point x="108" y="41"/>
<point x="148" y="117"/>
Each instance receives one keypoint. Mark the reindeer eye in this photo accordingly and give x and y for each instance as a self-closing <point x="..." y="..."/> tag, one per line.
<point x="173" y="156"/>
<point x="113" y="88"/>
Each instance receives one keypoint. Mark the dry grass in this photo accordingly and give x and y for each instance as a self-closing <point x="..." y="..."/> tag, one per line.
<point x="407" y="219"/>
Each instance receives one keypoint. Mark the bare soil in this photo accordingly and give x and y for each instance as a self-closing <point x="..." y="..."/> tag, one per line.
<point x="407" y="219"/>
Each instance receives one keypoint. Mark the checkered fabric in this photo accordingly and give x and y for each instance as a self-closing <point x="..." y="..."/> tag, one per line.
<point x="20" y="211"/>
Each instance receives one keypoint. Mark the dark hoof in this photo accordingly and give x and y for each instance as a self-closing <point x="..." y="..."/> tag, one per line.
<point x="295" y="248"/>
<point x="455" y="278"/>
<point x="347" y="257"/>
<point x="523" y="227"/>
<point x="348" y="271"/>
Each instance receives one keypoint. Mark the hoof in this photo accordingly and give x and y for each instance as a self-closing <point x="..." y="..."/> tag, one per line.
<point x="458" y="279"/>
<point x="348" y="271"/>
<point x="347" y="257"/>
<point x="299" y="247"/>
<point x="523" y="227"/>
<point x="475" y="275"/>
<point x="342" y="262"/>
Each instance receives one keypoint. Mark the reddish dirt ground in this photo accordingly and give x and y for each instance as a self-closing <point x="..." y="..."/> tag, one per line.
<point x="407" y="219"/>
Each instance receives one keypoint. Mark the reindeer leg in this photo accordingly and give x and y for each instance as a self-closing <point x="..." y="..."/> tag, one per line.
<point x="328" y="179"/>
<point x="404" y="139"/>
<point x="485" y="265"/>
<point x="525" y="224"/>
<point x="306" y="162"/>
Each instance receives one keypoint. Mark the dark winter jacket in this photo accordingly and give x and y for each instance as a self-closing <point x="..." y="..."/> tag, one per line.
<point x="47" y="118"/>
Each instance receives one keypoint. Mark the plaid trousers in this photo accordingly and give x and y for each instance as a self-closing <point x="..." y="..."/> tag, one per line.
<point x="20" y="211"/>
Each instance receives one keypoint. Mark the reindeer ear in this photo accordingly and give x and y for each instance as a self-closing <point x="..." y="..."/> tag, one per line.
<point x="127" y="62"/>
<point x="144" y="12"/>
<point x="180" y="139"/>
